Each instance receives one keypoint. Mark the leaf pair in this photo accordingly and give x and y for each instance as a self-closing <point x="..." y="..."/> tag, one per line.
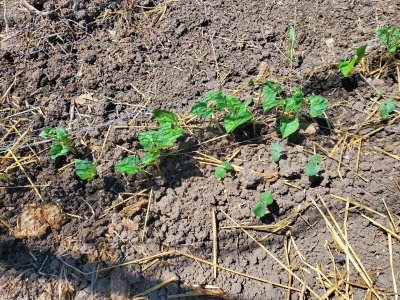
<point x="221" y="171"/>
<point x="276" y="149"/>
<point x="312" y="167"/>
<point x="345" y="66"/>
<point x="260" y="207"/>
<point x="237" y="112"/>
<point x="85" y="169"/>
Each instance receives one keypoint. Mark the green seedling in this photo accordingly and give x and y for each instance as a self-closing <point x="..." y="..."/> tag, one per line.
<point x="389" y="36"/>
<point x="377" y="94"/>
<point x="276" y="149"/>
<point x="260" y="207"/>
<point x="62" y="143"/>
<point x="291" y="43"/>
<point x="85" y="169"/>
<point x="236" y="111"/>
<point x="386" y="108"/>
<point x="221" y="171"/>
<point x="312" y="167"/>
<point x="153" y="141"/>
<point x="289" y="121"/>
<point x="345" y="66"/>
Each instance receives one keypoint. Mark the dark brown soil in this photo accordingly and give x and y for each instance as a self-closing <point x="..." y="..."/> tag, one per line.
<point x="93" y="66"/>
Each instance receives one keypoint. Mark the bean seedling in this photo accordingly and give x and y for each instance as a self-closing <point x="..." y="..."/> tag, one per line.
<point x="61" y="141"/>
<point x="221" y="171"/>
<point x="153" y="141"/>
<point x="389" y="36"/>
<point x="387" y="107"/>
<point x="276" y="149"/>
<point x="260" y="207"/>
<point x="237" y="112"/>
<point x="289" y="121"/>
<point x="346" y="65"/>
<point x="312" y="167"/>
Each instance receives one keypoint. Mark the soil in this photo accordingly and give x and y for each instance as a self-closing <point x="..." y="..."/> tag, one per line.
<point x="100" y="67"/>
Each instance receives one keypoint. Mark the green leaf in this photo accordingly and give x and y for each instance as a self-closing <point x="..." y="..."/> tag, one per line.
<point x="232" y="120"/>
<point x="276" y="151"/>
<point x="201" y="109"/>
<point x="165" y="116"/>
<point x="228" y="102"/>
<point x="291" y="36"/>
<point x="378" y="94"/>
<point x="220" y="172"/>
<point x="3" y="177"/>
<point x="315" y="159"/>
<point x="345" y="66"/>
<point x="61" y="134"/>
<point x="250" y="83"/>
<point x="128" y="165"/>
<point x="318" y="105"/>
<point x="388" y="106"/>
<point x="296" y="101"/>
<point x="259" y="210"/>
<point x="389" y="36"/>
<point x="360" y="52"/>
<point x="149" y="157"/>
<point x="270" y="90"/>
<point x="266" y="198"/>
<point x="58" y="149"/>
<point x="165" y="137"/>
<point x="288" y="126"/>
<point x="312" y="169"/>
<point x="147" y="139"/>
<point x="226" y="165"/>
<point x="85" y="169"/>
<point x="47" y="132"/>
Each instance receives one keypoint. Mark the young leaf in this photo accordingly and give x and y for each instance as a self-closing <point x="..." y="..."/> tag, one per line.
<point x="201" y="109"/>
<point x="232" y="120"/>
<point x="315" y="159"/>
<point x="166" y="137"/>
<point x="288" y="126"/>
<point x="61" y="134"/>
<point x="312" y="169"/>
<point x="128" y="165"/>
<point x="345" y="66"/>
<point x="149" y="157"/>
<point x="276" y="151"/>
<point x="47" y="132"/>
<point x="270" y="90"/>
<point x="85" y="169"/>
<point x="360" y="52"/>
<point x="388" y="106"/>
<point x="220" y="172"/>
<point x="318" y="105"/>
<point x="390" y="36"/>
<point x="291" y="42"/>
<point x="165" y="117"/>
<point x="228" y="102"/>
<point x="266" y="198"/>
<point x="147" y="139"/>
<point x="296" y="101"/>
<point x="58" y="149"/>
<point x="259" y="209"/>
<point x="226" y="165"/>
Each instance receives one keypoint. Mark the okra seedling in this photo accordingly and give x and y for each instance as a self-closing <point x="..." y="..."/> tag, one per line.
<point x="62" y="143"/>
<point x="312" y="167"/>
<point x="221" y="171"/>
<point x="346" y="65"/>
<point x="85" y="169"/>
<point x="387" y="107"/>
<point x="260" y="207"/>
<point x="389" y="36"/>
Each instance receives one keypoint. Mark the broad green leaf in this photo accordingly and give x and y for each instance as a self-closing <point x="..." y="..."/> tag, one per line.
<point x="388" y="106"/>
<point x="276" y="156"/>
<point x="266" y="198"/>
<point x="228" y="102"/>
<point x="128" y="165"/>
<point x="242" y="107"/>
<point x="220" y="172"/>
<point x="85" y="169"/>
<point x="149" y="157"/>
<point x="61" y="133"/>
<point x="318" y="105"/>
<point x="315" y="159"/>
<point x="47" y="132"/>
<point x="288" y="126"/>
<point x="259" y="209"/>
<point x="165" y="137"/>
<point x="296" y="101"/>
<point x="147" y="139"/>
<point x="232" y="120"/>
<point x="201" y="109"/>
<point x="270" y="90"/>
<point x="312" y="169"/>
<point x="213" y="96"/>
<point x="389" y="36"/>
<point x="345" y="66"/>
<point x="165" y="116"/>
<point x="226" y="165"/>
<point x="58" y="149"/>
